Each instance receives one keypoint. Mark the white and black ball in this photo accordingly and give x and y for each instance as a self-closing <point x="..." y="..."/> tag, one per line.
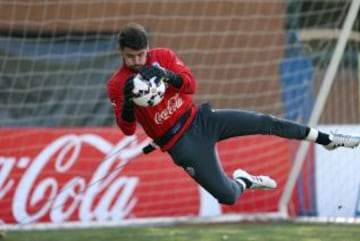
<point x="148" y="92"/>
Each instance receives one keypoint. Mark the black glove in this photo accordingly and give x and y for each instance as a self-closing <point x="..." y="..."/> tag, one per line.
<point x="170" y="77"/>
<point x="128" y="113"/>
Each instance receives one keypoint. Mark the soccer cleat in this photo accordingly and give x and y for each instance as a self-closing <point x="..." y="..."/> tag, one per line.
<point x="254" y="182"/>
<point x="341" y="140"/>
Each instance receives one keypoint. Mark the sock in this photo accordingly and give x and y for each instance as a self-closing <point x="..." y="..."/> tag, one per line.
<point x="241" y="182"/>
<point x="323" y="139"/>
<point x="318" y="137"/>
<point x="246" y="181"/>
<point x="312" y="134"/>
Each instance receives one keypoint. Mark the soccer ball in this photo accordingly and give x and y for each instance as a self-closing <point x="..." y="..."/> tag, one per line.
<point x="148" y="92"/>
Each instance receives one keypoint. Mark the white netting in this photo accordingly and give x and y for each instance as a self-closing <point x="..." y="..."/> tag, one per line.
<point x="263" y="55"/>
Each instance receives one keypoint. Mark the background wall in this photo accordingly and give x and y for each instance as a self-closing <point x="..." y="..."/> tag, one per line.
<point x="232" y="47"/>
<point x="179" y="25"/>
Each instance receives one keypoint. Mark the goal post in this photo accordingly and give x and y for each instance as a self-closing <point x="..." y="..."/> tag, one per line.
<point x="65" y="164"/>
<point x="320" y="101"/>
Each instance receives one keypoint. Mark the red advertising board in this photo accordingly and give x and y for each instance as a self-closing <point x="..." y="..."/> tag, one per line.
<point x="98" y="174"/>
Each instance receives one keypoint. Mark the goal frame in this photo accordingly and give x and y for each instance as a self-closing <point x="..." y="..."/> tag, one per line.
<point x="319" y="104"/>
<point x="343" y="36"/>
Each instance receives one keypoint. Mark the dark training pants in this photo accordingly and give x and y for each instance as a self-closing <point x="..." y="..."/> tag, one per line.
<point x="195" y="150"/>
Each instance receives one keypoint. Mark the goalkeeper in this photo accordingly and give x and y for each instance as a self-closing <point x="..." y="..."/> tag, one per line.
<point x="187" y="132"/>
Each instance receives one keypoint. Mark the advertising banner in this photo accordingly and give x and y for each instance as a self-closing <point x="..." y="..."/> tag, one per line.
<point x="51" y="175"/>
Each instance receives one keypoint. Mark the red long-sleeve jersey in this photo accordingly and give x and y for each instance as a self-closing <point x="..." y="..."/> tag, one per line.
<point x="156" y="120"/>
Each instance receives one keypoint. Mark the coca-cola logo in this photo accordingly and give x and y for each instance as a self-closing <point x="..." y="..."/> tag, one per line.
<point x="105" y="195"/>
<point x="173" y="104"/>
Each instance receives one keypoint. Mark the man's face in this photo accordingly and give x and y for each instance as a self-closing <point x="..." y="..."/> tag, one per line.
<point x="133" y="59"/>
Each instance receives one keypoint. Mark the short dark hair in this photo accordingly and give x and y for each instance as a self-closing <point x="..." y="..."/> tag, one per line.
<point x="133" y="36"/>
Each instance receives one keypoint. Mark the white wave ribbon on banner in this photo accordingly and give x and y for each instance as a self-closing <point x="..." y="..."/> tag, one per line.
<point x="85" y="196"/>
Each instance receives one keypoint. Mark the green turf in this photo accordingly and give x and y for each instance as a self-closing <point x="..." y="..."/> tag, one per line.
<point x="254" y="232"/>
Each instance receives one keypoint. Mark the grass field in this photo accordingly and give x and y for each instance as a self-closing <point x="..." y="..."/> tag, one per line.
<point x="254" y="232"/>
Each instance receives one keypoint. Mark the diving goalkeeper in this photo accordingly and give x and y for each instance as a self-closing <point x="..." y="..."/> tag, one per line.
<point x="189" y="133"/>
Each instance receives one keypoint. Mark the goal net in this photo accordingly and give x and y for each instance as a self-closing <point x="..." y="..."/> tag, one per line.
<point x="64" y="163"/>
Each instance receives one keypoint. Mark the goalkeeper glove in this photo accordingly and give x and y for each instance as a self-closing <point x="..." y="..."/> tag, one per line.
<point x="155" y="70"/>
<point x="128" y="113"/>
